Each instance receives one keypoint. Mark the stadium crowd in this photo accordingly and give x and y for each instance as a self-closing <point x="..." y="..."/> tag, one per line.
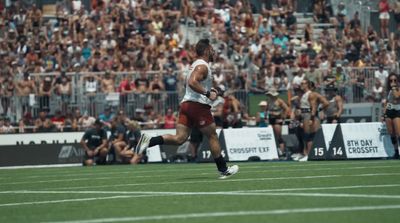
<point x="137" y="47"/>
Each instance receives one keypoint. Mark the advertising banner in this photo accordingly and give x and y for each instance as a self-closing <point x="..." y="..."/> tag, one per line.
<point x="361" y="140"/>
<point x="321" y="142"/>
<point x="243" y="143"/>
<point x="54" y="148"/>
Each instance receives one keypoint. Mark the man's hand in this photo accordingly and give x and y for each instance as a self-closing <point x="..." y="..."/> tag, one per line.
<point x="213" y="94"/>
<point x="90" y="153"/>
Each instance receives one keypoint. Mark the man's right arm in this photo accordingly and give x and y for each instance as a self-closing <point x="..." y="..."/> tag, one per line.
<point x="199" y="74"/>
<point x="83" y="141"/>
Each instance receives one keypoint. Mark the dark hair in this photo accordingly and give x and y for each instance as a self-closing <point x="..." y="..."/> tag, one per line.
<point x="388" y="88"/>
<point x="310" y="84"/>
<point x="201" y="46"/>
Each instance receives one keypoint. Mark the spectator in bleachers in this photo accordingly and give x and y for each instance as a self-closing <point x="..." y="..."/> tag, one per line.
<point x="64" y="90"/>
<point x="7" y="127"/>
<point x="7" y="92"/>
<point x="231" y="111"/>
<point x="108" y="83"/>
<point x="261" y="115"/>
<point x="321" y="15"/>
<point x="384" y="16"/>
<point x="108" y="37"/>
<point x="381" y="74"/>
<point x="314" y="75"/>
<point x="169" y="119"/>
<point x="151" y="118"/>
<point x="142" y="82"/>
<point x="299" y="76"/>
<point x="90" y="89"/>
<point x="281" y="40"/>
<point x="106" y="117"/>
<point x="25" y="87"/>
<point x="58" y="120"/>
<point x="70" y="123"/>
<point x="377" y="91"/>
<point x="355" y="23"/>
<point x="291" y="20"/>
<point x="86" y="121"/>
<point x="396" y="11"/>
<point x="43" y="123"/>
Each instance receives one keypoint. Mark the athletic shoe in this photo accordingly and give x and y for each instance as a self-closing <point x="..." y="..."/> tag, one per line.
<point x="296" y="156"/>
<point x="303" y="159"/>
<point x="232" y="170"/>
<point x="396" y="154"/>
<point x="143" y="143"/>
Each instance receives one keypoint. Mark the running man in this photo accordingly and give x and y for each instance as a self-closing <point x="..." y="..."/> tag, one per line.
<point x="195" y="111"/>
<point x="392" y="111"/>
<point x="277" y="111"/>
<point x="309" y="110"/>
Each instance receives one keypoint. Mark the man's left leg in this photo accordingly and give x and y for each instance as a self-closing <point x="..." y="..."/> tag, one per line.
<point x="225" y="171"/>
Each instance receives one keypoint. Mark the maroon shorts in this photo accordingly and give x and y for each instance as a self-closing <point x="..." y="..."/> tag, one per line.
<point x="195" y="115"/>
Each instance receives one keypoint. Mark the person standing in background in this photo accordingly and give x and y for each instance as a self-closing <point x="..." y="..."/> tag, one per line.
<point x="335" y="108"/>
<point x="384" y="17"/>
<point x="392" y="111"/>
<point x="277" y="110"/>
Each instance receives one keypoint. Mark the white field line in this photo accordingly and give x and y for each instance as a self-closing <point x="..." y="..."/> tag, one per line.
<point x="262" y="165"/>
<point x="157" y="194"/>
<point x="73" y="200"/>
<point x="39" y="166"/>
<point x="247" y="193"/>
<point x="134" y="172"/>
<point x="217" y="181"/>
<point x="321" y="188"/>
<point x="192" y="182"/>
<point x="169" y="175"/>
<point x="236" y="213"/>
<point x="239" y="191"/>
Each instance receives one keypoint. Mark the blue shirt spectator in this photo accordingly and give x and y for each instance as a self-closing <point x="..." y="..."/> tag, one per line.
<point x="281" y="41"/>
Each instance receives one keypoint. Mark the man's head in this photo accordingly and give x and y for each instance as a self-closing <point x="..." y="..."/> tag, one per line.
<point x="98" y="124"/>
<point x="205" y="50"/>
<point x="331" y="90"/>
<point x="305" y="85"/>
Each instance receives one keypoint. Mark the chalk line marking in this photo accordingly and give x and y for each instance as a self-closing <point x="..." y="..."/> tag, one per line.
<point x="235" y="213"/>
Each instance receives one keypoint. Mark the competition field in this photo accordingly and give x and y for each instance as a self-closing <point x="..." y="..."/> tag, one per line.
<point x="335" y="191"/>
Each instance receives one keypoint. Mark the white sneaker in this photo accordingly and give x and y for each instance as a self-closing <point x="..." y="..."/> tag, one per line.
<point x="303" y="159"/>
<point x="296" y="156"/>
<point x="143" y="143"/>
<point x="232" y="170"/>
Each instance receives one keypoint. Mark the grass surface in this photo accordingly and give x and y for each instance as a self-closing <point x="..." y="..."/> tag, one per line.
<point x="341" y="191"/>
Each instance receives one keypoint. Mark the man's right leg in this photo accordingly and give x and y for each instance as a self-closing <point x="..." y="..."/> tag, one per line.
<point x="145" y="141"/>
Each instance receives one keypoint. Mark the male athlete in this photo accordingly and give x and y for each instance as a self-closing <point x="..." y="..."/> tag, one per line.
<point x="195" y="111"/>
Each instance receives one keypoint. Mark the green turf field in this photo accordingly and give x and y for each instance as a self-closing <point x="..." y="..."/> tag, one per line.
<point x="336" y="191"/>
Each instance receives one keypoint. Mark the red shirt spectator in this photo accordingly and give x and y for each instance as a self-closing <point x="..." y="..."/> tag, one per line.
<point x="169" y="120"/>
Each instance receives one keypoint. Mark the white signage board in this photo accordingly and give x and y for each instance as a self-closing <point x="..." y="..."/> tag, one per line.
<point x="243" y="143"/>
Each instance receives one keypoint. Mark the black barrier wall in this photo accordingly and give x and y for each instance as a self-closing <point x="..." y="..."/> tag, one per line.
<point x="41" y="154"/>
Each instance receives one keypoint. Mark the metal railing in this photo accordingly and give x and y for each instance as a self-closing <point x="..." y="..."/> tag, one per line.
<point x="352" y="89"/>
